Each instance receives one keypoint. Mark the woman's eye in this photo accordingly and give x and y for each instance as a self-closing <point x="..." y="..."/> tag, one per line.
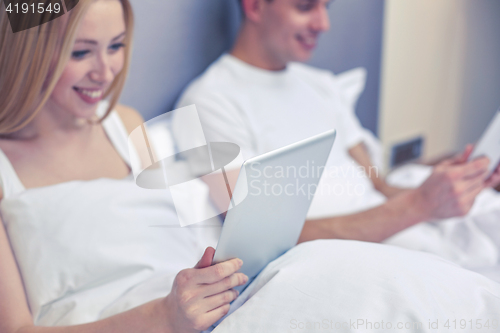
<point x="79" y="54"/>
<point x="117" y="46"/>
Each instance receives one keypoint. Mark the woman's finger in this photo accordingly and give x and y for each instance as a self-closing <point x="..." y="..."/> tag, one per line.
<point x="215" y="315"/>
<point x="227" y="283"/>
<point x="215" y="301"/>
<point x="206" y="259"/>
<point x="217" y="272"/>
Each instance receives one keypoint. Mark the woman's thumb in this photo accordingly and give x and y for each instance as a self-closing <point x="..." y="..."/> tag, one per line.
<point x="206" y="259"/>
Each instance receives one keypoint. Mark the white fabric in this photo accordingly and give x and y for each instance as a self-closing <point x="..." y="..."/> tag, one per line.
<point x="262" y="110"/>
<point x="343" y="285"/>
<point x="352" y="84"/>
<point x="9" y="181"/>
<point x="473" y="241"/>
<point x="90" y="249"/>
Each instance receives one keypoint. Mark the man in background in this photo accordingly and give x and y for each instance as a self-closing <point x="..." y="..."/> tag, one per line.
<point x="261" y="97"/>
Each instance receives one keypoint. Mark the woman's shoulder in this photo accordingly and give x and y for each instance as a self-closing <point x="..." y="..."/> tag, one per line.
<point x="130" y="117"/>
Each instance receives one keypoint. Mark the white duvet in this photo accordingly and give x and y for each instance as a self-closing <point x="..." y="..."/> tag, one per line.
<point x="349" y="286"/>
<point x="472" y="241"/>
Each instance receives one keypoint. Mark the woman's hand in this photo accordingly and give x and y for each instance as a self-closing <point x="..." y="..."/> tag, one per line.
<point x="201" y="295"/>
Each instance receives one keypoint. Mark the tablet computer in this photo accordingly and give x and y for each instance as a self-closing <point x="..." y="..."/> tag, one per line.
<point x="489" y="144"/>
<point x="271" y="198"/>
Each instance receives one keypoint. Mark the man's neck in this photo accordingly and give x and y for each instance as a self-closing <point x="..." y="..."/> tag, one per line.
<point x="250" y="49"/>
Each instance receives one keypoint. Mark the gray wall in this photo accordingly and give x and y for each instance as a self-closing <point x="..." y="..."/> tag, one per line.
<point x="481" y="93"/>
<point x="355" y="39"/>
<point x="176" y="40"/>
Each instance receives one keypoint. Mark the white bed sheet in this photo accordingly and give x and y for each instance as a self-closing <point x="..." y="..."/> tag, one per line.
<point x="472" y="241"/>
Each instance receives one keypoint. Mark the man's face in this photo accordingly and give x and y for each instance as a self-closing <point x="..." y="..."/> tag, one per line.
<point x="290" y="28"/>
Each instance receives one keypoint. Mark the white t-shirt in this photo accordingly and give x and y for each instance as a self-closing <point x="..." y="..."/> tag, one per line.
<point x="263" y="110"/>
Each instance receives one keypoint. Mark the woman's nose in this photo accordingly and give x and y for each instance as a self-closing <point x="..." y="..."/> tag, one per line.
<point x="102" y="72"/>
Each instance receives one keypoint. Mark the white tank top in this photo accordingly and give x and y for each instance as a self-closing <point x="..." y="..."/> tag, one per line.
<point x="90" y="249"/>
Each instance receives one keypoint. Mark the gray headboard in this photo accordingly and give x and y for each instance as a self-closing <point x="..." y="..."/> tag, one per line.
<point x="176" y="40"/>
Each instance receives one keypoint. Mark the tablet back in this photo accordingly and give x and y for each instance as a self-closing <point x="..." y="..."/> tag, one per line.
<point x="272" y="196"/>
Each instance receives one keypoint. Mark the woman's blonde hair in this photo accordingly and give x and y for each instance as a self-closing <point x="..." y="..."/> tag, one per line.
<point x="32" y="61"/>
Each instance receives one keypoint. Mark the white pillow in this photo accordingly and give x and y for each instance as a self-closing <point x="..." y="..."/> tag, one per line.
<point x="352" y="83"/>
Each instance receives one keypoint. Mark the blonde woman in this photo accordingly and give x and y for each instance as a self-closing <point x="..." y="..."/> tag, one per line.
<point x="58" y="162"/>
<point x="76" y="253"/>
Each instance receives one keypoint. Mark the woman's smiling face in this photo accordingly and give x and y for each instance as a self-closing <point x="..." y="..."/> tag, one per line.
<point x="97" y="58"/>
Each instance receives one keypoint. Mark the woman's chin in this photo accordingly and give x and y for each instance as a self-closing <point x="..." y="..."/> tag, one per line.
<point x="86" y="113"/>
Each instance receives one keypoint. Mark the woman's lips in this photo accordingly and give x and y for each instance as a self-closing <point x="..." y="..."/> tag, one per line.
<point x="90" y="96"/>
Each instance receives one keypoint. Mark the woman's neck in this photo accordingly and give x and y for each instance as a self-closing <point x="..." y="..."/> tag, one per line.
<point x="53" y="122"/>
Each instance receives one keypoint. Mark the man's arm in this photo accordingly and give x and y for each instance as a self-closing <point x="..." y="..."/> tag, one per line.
<point x="450" y="191"/>
<point x="360" y="154"/>
<point x="374" y="225"/>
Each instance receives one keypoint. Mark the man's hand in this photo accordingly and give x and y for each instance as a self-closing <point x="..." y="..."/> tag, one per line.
<point x="201" y="295"/>
<point x="494" y="179"/>
<point x="453" y="186"/>
<point x="389" y="191"/>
